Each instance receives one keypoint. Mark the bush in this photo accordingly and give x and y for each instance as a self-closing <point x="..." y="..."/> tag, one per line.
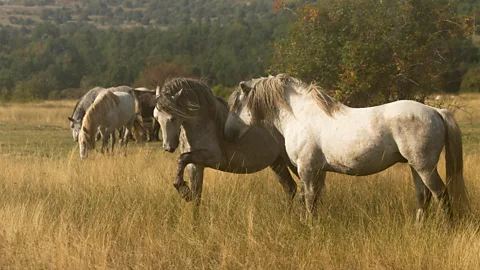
<point x="471" y="80"/>
<point x="222" y="91"/>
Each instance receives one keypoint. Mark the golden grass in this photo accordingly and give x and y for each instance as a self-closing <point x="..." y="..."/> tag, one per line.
<point x="52" y="113"/>
<point x="123" y="212"/>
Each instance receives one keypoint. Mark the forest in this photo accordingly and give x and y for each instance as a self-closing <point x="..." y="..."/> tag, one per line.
<point x="58" y="49"/>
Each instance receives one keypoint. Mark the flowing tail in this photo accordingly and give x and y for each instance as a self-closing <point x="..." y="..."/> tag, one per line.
<point x="454" y="164"/>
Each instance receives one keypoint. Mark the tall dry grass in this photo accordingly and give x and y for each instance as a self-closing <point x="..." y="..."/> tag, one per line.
<point x="123" y="212"/>
<point x="53" y="113"/>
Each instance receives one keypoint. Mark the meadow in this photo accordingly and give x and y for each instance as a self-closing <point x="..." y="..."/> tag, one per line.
<point x="122" y="211"/>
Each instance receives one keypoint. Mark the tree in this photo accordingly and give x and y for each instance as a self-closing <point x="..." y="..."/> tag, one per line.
<point x="158" y="74"/>
<point x="471" y="81"/>
<point x="373" y="52"/>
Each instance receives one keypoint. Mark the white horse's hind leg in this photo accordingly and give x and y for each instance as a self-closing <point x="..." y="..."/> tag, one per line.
<point x="434" y="183"/>
<point x="423" y="196"/>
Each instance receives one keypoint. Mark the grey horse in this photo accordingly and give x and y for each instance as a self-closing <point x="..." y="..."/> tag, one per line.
<point x="85" y="102"/>
<point x="193" y="119"/>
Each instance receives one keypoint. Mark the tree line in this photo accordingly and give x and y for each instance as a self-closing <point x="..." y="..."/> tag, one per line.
<point x="367" y="51"/>
<point x="43" y="61"/>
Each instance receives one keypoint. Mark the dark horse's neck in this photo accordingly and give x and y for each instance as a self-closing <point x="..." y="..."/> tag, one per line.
<point x="207" y="125"/>
<point x="79" y="111"/>
<point x="84" y="103"/>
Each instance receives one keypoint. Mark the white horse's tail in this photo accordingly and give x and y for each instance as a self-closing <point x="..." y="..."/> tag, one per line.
<point x="454" y="164"/>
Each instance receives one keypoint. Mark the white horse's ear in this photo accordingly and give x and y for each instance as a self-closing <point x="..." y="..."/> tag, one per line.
<point x="245" y="88"/>
<point x="177" y="95"/>
<point x="157" y="91"/>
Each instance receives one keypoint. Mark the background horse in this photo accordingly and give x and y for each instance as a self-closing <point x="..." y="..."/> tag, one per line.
<point x="147" y="100"/>
<point x="85" y="102"/>
<point x="109" y="111"/>
<point x="193" y="118"/>
<point x="321" y="134"/>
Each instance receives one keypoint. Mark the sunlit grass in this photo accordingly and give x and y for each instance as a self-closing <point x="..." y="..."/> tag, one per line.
<point x="122" y="211"/>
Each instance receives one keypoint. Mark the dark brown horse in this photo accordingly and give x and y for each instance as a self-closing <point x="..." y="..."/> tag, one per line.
<point x="147" y="101"/>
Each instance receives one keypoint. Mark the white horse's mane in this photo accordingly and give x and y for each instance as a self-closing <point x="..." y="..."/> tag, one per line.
<point x="268" y="94"/>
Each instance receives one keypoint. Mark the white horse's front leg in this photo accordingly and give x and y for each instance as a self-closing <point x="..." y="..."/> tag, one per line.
<point x="104" y="143"/>
<point x="313" y="182"/>
<point x="104" y="137"/>
<point x="113" y="140"/>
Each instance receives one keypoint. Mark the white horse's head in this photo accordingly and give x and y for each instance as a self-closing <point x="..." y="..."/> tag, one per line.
<point x="170" y="125"/>
<point x="75" y="126"/>
<point x="240" y="118"/>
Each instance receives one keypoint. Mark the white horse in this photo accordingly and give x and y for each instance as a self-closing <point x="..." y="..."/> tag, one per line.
<point x="110" y="111"/>
<point x="321" y="135"/>
<point x="193" y="119"/>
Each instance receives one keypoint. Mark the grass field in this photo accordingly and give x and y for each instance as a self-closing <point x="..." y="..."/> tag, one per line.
<point x="122" y="211"/>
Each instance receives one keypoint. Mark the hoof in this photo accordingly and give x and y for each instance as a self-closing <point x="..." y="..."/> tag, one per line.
<point x="184" y="192"/>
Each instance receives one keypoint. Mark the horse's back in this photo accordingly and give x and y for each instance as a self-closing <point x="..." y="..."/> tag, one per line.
<point x="126" y="107"/>
<point x="414" y="125"/>
<point x="407" y="107"/>
<point x="121" y="88"/>
<point x="392" y="133"/>
<point x="410" y="117"/>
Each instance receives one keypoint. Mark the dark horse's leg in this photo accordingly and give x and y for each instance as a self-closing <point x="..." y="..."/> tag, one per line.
<point x="182" y="162"/>
<point x="199" y="158"/>
<point x="195" y="173"/>
<point x="285" y="178"/>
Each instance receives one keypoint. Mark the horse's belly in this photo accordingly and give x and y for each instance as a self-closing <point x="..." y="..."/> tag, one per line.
<point x="366" y="164"/>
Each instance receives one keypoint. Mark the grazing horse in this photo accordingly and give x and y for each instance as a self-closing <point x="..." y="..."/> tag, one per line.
<point x="147" y="100"/>
<point x="321" y="135"/>
<point x="192" y="118"/>
<point x="84" y="103"/>
<point x="110" y="111"/>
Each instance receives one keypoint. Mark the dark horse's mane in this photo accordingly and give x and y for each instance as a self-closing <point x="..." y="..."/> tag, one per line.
<point x="197" y="99"/>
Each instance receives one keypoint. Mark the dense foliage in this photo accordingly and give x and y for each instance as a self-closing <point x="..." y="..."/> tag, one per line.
<point x="374" y="52"/>
<point x="53" y="57"/>
<point x="141" y="12"/>
<point x="366" y="50"/>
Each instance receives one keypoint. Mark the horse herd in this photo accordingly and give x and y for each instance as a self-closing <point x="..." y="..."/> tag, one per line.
<point x="287" y="125"/>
